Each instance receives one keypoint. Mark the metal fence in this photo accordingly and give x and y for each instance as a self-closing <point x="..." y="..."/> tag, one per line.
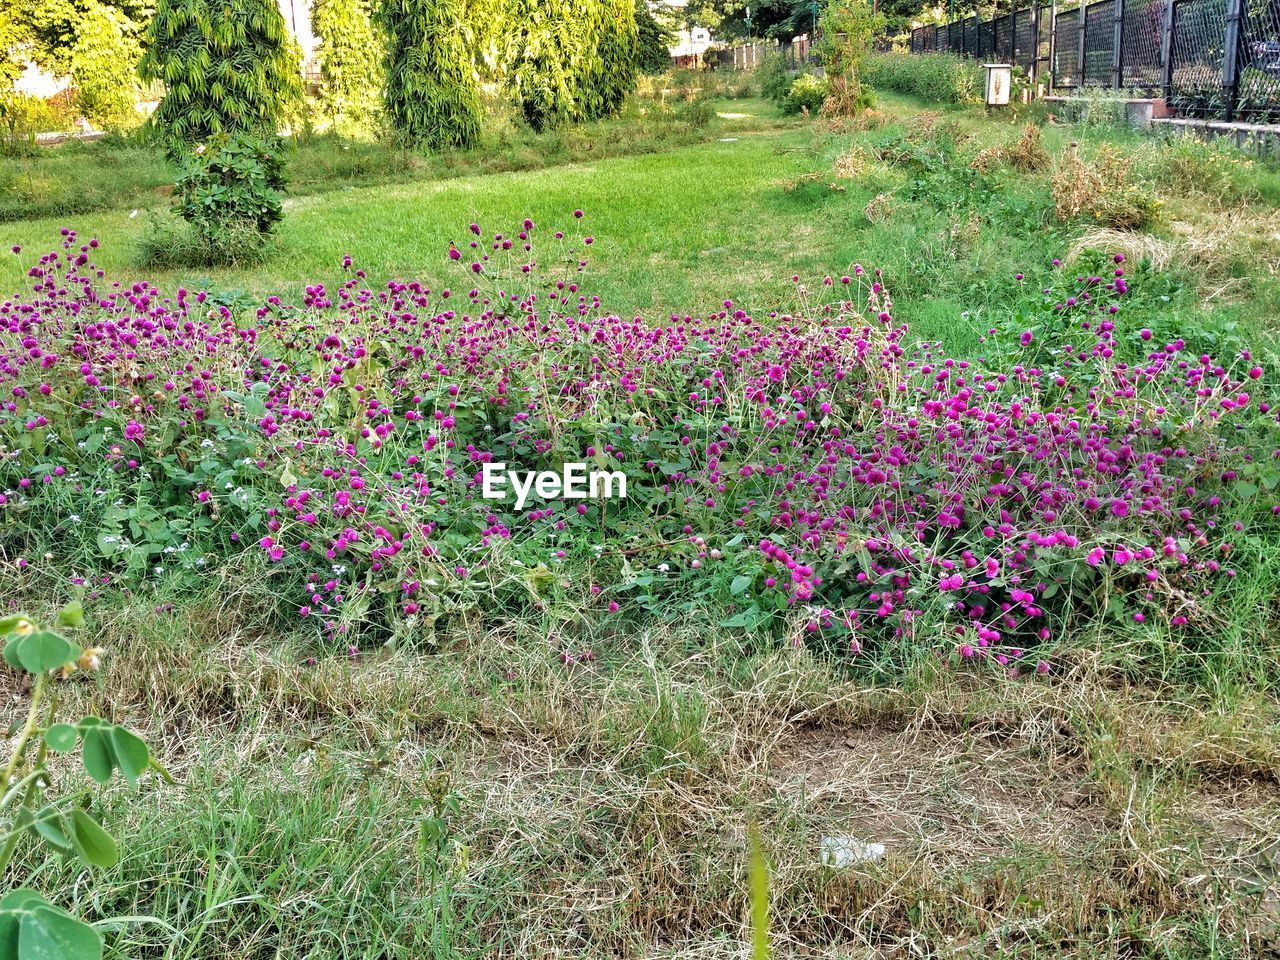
<point x="1208" y="58"/>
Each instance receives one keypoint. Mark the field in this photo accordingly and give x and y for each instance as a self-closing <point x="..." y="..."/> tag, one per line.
<point x="562" y="744"/>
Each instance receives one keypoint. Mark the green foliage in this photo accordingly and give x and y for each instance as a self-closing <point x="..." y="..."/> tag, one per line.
<point x="236" y="179"/>
<point x="807" y="92"/>
<point x="549" y="46"/>
<point x="654" y="41"/>
<point x="846" y="31"/>
<point x="22" y="117"/>
<point x="103" y="66"/>
<point x="571" y="60"/>
<point x="226" y="67"/>
<point x="432" y="94"/>
<point x="611" y="71"/>
<point x="935" y="77"/>
<point x="775" y="78"/>
<point x="54" y="27"/>
<point x="15" y="33"/>
<point x="229" y="193"/>
<point x="31" y="928"/>
<point x="351" y="55"/>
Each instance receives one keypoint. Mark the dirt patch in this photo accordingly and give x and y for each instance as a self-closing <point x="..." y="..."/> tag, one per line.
<point x="955" y="797"/>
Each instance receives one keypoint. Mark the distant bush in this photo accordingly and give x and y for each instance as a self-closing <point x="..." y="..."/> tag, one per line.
<point x="775" y="79"/>
<point x="1202" y="169"/>
<point x="807" y="92"/>
<point x="936" y="77"/>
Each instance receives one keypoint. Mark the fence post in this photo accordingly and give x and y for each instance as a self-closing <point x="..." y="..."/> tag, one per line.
<point x="1231" y="58"/>
<point x="1035" y="42"/>
<point x="1053" y="44"/>
<point x="1117" y="48"/>
<point x="1166" y="50"/>
<point x="1084" y="19"/>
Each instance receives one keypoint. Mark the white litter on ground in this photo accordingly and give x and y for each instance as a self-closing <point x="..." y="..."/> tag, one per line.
<point x="846" y="851"/>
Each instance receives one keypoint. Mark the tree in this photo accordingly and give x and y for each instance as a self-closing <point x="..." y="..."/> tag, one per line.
<point x="548" y="48"/>
<point x="227" y="66"/>
<point x="571" y="60"/>
<point x="432" y="94"/>
<point x="15" y="37"/>
<point x="611" y="71"/>
<point x="351" y="52"/>
<point x="103" y="65"/>
<point x="54" y="27"/>
<point x="654" y="41"/>
<point x="846" y="30"/>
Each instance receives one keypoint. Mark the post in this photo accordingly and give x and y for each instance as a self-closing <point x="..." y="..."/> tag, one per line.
<point x="1084" y="19"/>
<point x="1013" y="35"/>
<point x="1117" y="48"/>
<point x="1231" y="58"/>
<point x="1035" y="43"/>
<point x="1053" y="44"/>
<point x="1166" y="50"/>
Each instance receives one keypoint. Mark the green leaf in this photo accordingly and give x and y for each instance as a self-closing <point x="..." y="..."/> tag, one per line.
<point x="740" y="583"/>
<point x="72" y="615"/>
<point x="93" y="845"/>
<point x="131" y="754"/>
<point x="31" y="928"/>
<point x="96" y="752"/>
<point x="52" y="825"/>
<point x="45" y="650"/>
<point x="12" y="647"/>
<point x="61" y="737"/>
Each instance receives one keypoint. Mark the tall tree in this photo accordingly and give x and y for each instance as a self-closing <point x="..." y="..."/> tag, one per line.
<point x="572" y="60"/>
<point x="351" y="51"/>
<point x="104" y="62"/>
<point x="432" y="94"/>
<point x="227" y="66"/>
<point x="54" y="27"/>
<point x="611" y="72"/>
<point x="654" y="41"/>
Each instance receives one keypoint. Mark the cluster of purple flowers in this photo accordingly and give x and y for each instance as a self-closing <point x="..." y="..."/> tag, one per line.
<point x="848" y="477"/>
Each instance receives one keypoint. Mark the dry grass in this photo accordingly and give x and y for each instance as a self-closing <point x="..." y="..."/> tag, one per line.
<point x="853" y="162"/>
<point x="1029" y="154"/>
<point x="603" y="807"/>
<point x="880" y="208"/>
<point x="1216" y="249"/>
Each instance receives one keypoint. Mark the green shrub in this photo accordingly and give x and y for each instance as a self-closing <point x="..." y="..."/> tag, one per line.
<point x="696" y="113"/>
<point x="229" y="194"/>
<point x="846" y="32"/>
<point x="807" y="92"/>
<point x="22" y="117"/>
<point x="935" y="77"/>
<point x="1198" y="168"/>
<point x="654" y="41"/>
<point x="226" y="66"/>
<point x="775" y="79"/>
